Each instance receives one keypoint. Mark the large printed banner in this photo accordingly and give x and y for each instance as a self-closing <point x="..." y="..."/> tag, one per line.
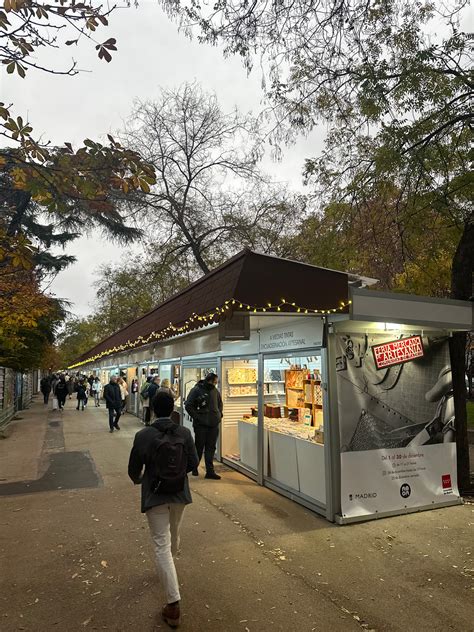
<point x="396" y="418"/>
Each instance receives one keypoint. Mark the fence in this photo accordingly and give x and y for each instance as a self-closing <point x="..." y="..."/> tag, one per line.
<point x="16" y="392"/>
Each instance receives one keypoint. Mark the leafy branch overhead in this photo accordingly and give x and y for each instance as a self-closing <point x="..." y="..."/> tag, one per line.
<point x="50" y="195"/>
<point x="56" y="177"/>
<point x="27" y="26"/>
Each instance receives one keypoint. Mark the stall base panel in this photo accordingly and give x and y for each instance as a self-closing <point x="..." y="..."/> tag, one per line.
<point x="248" y="444"/>
<point x="283" y="464"/>
<point x="311" y="470"/>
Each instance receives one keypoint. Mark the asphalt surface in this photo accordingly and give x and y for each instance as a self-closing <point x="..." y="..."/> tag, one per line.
<point x="75" y="552"/>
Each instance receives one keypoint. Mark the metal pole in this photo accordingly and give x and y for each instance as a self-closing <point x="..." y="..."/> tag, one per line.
<point x="260" y="427"/>
<point x="331" y="426"/>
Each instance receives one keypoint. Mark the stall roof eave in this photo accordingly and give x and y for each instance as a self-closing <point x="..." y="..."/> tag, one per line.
<point x="409" y="309"/>
<point x="249" y="278"/>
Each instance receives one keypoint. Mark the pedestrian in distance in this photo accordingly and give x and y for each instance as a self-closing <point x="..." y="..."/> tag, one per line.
<point x="144" y="396"/>
<point x="60" y="391"/>
<point x="54" y="381"/>
<point x="161" y="457"/>
<point x="88" y="392"/>
<point x="113" y="401"/>
<point x="152" y="391"/>
<point x="97" y="391"/>
<point x="71" y="386"/>
<point x="123" y="393"/>
<point x="81" y="395"/>
<point x="204" y="405"/>
<point x="165" y="386"/>
<point x="45" y="387"/>
<point x="90" y="381"/>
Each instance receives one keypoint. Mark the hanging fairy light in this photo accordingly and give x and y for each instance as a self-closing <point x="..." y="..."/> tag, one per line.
<point x="209" y="317"/>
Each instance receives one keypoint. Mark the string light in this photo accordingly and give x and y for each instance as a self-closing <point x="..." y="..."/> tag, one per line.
<point x="209" y="317"/>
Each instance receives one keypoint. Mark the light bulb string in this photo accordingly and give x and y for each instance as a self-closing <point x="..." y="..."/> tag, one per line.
<point x="199" y="320"/>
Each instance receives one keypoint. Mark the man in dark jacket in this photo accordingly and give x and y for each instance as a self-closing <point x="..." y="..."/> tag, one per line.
<point x="164" y="511"/>
<point x="45" y="386"/>
<point x="153" y="390"/>
<point x="60" y="391"/>
<point x="113" y="401"/>
<point x="204" y="404"/>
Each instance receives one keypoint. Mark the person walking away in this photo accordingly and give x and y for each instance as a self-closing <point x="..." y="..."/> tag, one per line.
<point x="204" y="405"/>
<point x="165" y="387"/>
<point x="60" y="391"/>
<point x="90" y="381"/>
<point x="152" y="391"/>
<point x="81" y="395"/>
<point x="113" y="401"/>
<point x="54" y="381"/>
<point x="144" y="396"/>
<point x="71" y="386"/>
<point x="161" y="457"/>
<point x="96" y="391"/>
<point x="88" y="391"/>
<point x="123" y="392"/>
<point x="45" y="386"/>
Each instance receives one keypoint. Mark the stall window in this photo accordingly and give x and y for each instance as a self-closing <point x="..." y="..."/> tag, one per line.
<point x="294" y="425"/>
<point x="240" y="398"/>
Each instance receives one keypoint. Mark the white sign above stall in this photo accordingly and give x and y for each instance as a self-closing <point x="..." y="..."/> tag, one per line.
<point x="301" y="334"/>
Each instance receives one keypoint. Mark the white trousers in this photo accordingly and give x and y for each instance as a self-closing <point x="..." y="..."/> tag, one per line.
<point x="165" y="522"/>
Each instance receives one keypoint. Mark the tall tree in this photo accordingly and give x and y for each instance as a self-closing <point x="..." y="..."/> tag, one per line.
<point x="126" y="292"/>
<point x="383" y="242"/>
<point x="210" y="192"/>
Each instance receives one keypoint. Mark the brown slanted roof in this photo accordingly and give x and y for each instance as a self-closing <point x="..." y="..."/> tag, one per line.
<point x="249" y="278"/>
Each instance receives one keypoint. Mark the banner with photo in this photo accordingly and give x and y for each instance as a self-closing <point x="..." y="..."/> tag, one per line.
<point x="396" y="420"/>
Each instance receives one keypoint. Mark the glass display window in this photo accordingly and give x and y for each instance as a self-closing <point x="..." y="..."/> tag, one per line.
<point x="294" y="425"/>
<point x="292" y="419"/>
<point x="240" y="399"/>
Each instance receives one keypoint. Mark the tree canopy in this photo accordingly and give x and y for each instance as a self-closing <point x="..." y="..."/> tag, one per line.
<point x="49" y="195"/>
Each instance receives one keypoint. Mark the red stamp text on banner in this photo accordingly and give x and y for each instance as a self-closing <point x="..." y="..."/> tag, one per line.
<point x="398" y="351"/>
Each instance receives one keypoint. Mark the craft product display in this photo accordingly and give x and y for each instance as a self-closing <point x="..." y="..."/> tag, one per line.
<point x="241" y="375"/>
<point x="290" y="428"/>
<point x="242" y="390"/>
<point x="242" y="382"/>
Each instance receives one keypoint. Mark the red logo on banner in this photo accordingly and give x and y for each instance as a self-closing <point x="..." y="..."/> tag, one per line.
<point x="398" y="351"/>
<point x="446" y="481"/>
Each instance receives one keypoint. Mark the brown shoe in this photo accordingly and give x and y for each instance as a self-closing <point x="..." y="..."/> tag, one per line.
<point x="171" y="615"/>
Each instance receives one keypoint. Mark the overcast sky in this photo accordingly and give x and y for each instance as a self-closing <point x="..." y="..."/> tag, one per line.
<point x="151" y="54"/>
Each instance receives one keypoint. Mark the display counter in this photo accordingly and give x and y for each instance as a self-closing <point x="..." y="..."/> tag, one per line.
<point x="292" y="456"/>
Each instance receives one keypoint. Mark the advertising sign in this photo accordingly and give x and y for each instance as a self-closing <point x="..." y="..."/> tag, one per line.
<point x="397" y="351"/>
<point x="396" y="415"/>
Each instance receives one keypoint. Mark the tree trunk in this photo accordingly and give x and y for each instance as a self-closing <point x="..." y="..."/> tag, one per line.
<point x="461" y="288"/>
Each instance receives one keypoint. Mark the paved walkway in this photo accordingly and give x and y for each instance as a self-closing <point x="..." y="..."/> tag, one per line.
<point x="75" y="552"/>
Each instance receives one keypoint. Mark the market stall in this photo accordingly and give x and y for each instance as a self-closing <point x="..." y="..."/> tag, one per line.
<point x="337" y="396"/>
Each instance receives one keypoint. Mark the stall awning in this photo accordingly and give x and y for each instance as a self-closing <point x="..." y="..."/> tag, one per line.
<point x="409" y="309"/>
<point x="249" y="282"/>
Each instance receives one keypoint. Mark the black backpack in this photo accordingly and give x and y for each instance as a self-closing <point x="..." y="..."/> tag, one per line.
<point x="168" y="460"/>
